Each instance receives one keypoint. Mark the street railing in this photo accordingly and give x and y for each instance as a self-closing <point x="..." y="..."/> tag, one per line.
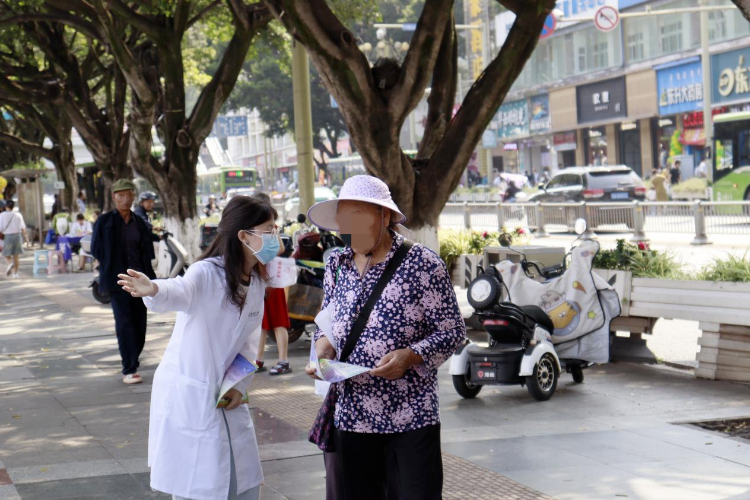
<point x="699" y="218"/>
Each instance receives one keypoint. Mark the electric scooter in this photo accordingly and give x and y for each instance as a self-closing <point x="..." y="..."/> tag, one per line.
<point x="541" y="322"/>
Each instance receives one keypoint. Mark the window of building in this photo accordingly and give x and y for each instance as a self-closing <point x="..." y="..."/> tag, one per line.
<point x="671" y="36"/>
<point x="717" y="26"/>
<point x="600" y="55"/>
<point x="582" y="66"/>
<point x="635" y="46"/>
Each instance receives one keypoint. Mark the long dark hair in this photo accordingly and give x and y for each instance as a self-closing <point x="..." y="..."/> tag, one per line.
<point x="242" y="212"/>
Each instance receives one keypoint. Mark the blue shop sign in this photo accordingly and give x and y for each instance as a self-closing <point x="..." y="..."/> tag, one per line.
<point x="729" y="76"/>
<point x="680" y="87"/>
<point x="513" y="119"/>
<point x="540" y="117"/>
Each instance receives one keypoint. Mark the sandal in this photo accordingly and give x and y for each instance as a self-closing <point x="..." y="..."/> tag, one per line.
<point x="281" y="368"/>
<point x="261" y="366"/>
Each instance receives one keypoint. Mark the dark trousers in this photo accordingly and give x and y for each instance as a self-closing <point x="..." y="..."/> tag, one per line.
<point x="130" y="325"/>
<point x="403" y="466"/>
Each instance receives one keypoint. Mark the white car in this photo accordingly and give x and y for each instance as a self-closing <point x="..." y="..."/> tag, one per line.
<point x="292" y="204"/>
<point x="232" y="193"/>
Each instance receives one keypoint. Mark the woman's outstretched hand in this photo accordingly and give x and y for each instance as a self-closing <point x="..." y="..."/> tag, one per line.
<point x="137" y="284"/>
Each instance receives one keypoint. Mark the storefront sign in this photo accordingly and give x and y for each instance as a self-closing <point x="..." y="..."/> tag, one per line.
<point x="565" y="141"/>
<point x="513" y="119"/>
<point x="475" y="16"/>
<point x="729" y="76"/>
<point x="680" y="88"/>
<point x="695" y="120"/>
<point x="601" y="101"/>
<point x="540" y="117"/>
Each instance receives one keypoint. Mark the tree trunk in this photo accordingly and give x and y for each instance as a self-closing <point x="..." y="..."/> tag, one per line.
<point x="744" y="6"/>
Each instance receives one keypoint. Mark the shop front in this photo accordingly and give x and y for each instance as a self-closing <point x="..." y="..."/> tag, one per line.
<point x="541" y="143"/>
<point x="678" y="130"/>
<point x="512" y="120"/>
<point x="600" y="106"/>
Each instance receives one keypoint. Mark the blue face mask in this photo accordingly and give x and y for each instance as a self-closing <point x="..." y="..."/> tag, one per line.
<point x="270" y="248"/>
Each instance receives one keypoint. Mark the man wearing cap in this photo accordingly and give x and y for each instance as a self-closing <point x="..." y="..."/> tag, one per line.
<point x="122" y="241"/>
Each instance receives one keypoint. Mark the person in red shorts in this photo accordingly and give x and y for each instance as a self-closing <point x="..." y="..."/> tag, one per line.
<point x="275" y="319"/>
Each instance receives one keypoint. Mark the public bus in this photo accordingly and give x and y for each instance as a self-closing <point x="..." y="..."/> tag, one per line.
<point x="732" y="156"/>
<point x="340" y="169"/>
<point x="218" y="180"/>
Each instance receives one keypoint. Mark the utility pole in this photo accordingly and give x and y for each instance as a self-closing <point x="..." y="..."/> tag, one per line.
<point x="303" y="126"/>
<point x="708" y="122"/>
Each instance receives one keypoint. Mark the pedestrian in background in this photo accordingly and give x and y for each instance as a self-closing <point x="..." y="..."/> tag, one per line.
<point x="660" y="183"/>
<point x="81" y="227"/>
<point x="81" y="202"/>
<point x="195" y="450"/>
<point x="386" y="422"/>
<point x="675" y="173"/>
<point x="13" y="229"/>
<point x="275" y="320"/>
<point x="122" y="241"/>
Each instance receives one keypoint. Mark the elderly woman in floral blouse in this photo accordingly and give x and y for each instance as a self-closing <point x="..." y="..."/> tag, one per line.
<point x="387" y="421"/>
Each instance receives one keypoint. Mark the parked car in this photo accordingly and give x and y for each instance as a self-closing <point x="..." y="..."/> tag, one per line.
<point x="616" y="184"/>
<point x="613" y="184"/>
<point x="292" y="204"/>
<point x="232" y="193"/>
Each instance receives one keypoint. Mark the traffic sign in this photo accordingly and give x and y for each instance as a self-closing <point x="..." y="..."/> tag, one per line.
<point x="409" y="27"/>
<point x="607" y="18"/>
<point x="549" y="27"/>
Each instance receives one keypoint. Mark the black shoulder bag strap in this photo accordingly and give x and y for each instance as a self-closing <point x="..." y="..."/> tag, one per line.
<point x="364" y="314"/>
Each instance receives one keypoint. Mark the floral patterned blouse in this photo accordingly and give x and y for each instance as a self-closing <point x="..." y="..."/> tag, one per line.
<point x="418" y="309"/>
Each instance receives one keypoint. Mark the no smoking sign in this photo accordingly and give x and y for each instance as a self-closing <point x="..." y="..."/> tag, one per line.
<point x="607" y="18"/>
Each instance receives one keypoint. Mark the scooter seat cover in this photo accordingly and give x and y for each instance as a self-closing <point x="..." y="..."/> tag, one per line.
<point x="538" y="315"/>
<point x="570" y="301"/>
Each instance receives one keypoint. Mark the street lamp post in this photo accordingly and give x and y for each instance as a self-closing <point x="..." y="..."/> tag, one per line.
<point x="708" y="122"/>
<point x="303" y="126"/>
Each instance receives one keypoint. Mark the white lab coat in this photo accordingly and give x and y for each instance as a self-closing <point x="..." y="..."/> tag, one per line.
<point x="188" y="449"/>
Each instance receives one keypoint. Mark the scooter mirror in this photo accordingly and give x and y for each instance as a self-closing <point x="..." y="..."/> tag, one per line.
<point x="580" y="226"/>
<point x="301" y="218"/>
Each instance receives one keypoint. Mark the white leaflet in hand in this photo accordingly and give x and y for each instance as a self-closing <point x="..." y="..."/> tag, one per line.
<point x="334" y="371"/>
<point x="239" y="370"/>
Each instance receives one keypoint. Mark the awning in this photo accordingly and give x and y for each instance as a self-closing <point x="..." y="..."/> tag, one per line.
<point x="693" y="137"/>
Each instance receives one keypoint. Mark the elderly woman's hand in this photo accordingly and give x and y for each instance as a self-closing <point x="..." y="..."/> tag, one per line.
<point x="395" y="363"/>
<point x="324" y="350"/>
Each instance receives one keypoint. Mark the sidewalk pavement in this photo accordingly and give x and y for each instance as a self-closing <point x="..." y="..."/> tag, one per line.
<point x="70" y="429"/>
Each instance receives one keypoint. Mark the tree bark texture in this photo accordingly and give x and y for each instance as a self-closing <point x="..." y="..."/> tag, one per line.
<point x="744" y="6"/>
<point x="375" y="111"/>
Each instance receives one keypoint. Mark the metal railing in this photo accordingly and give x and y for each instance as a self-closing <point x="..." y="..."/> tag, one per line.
<point x="699" y="218"/>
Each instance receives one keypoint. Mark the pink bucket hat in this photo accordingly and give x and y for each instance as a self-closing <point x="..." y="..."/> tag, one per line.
<point x="358" y="188"/>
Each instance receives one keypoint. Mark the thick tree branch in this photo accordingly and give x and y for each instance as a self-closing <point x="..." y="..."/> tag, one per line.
<point x="248" y="21"/>
<point x="142" y="23"/>
<point x="333" y="50"/>
<point x="205" y="10"/>
<point x="744" y="6"/>
<point x="443" y="93"/>
<point x="81" y="25"/>
<point x="30" y="147"/>
<point x="484" y="98"/>
<point x="514" y="6"/>
<point x="422" y="56"/>
<point x="124" y="57"/>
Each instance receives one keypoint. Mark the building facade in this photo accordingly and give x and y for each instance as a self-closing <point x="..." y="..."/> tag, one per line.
<point x="630" y="96"/>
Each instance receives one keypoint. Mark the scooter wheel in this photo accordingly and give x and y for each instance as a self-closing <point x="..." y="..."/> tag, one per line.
<point x="577" y="373"/>
<point x="542" y="384"/>
<point x="464" y="388"/>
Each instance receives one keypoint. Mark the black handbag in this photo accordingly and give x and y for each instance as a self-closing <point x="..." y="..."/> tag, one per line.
<point x="321" y="433"/>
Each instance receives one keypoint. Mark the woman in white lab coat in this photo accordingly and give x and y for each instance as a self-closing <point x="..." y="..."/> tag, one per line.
<point x="220" y="304"/>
